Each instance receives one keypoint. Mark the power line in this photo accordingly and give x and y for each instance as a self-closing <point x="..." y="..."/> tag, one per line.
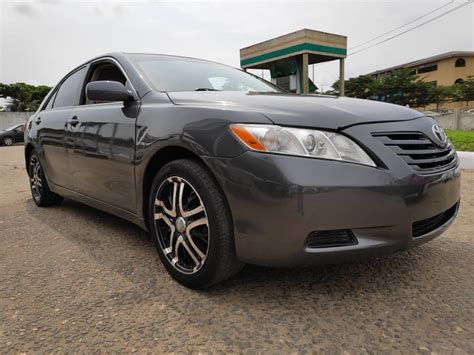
<point x="406" y="24"/>
<point x="469" y="2"/>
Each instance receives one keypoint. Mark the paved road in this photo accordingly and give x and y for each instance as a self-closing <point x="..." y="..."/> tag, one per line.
<point x="467" y="160"/>
<point x="76" y="279"/>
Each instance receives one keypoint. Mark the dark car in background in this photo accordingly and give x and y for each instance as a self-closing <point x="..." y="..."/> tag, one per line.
<point x="12" y="135"/>
<point x="224" y="168"/>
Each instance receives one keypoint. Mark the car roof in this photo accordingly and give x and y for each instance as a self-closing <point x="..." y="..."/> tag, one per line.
<point x="127" y="54"/>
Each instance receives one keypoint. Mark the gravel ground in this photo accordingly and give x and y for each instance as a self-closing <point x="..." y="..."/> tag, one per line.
<point x="75" y="279"/>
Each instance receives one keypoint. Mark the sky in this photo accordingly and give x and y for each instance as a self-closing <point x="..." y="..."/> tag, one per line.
<point x="40" y="41"/>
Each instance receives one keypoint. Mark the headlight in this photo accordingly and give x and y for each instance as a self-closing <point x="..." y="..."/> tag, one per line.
<point x="301" y="142"/>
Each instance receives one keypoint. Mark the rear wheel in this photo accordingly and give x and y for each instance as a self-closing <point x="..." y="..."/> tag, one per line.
<point x="191" y="225"/>
<point x="40" y="191"/>
<point x="7" y="141"/>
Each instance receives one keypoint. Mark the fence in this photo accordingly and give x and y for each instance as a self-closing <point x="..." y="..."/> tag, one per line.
<point x="458" y="120"/>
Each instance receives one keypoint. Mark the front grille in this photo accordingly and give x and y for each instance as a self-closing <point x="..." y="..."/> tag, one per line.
<point x="418" y="151"/>
<point x="425" y="226"/>
<point x="331" y="238"/>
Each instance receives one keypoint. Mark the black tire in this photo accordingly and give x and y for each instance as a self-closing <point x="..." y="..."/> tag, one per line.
<point x="40" y="191"/>
<point x="220" y="261"/>
<point x="7" y="141"/>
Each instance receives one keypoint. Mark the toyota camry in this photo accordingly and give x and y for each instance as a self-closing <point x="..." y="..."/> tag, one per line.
<point x="224" y="168"/>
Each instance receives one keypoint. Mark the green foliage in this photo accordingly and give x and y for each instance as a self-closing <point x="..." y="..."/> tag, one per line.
<point x="465" y="90"/>
<point x="441" y="94"/>
<point x="400" y="88"/>
<point x="23" y="97"/>
<point x="404" y="87"/>
<point x="462" y="140"/>
<point x="361" y="87"/>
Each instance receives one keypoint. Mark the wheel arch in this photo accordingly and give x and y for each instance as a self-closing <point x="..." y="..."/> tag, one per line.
<point x="159" y="160"/>
<point x="28" y="149"/>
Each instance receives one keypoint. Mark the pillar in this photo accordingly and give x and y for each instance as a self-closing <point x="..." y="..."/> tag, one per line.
<point x="341" y="77"/>
<point x="305" y="76"/>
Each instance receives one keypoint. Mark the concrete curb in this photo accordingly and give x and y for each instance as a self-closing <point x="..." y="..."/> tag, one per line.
<point x="467" y="160"/>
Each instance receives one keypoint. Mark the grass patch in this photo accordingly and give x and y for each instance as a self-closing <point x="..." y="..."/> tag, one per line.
<point x="462" y="140"/>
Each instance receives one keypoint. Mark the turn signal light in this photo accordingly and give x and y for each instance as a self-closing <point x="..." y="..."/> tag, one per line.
<point x="248" y="138"/>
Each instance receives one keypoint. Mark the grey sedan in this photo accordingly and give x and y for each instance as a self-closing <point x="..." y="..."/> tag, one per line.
<point x="224" y="168"/>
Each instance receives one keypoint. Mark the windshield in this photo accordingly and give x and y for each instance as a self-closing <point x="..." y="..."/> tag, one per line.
<point x="13" y="127"/>
<point x="185" y="74"/>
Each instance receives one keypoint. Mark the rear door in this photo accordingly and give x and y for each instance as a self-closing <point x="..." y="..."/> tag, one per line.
<point x="50" y="125"/>
<point x="102" y="146"/>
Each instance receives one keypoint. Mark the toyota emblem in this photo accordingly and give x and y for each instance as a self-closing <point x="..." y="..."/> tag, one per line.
<point x="439" y="134"/>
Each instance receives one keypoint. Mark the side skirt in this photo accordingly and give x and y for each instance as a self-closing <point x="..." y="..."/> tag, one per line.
<point x="119" y="212"/>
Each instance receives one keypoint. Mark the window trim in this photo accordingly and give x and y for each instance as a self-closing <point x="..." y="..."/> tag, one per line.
<point x="85" y="82"/>
<point x="51" y="99"/>
<point x="87" y="66"/>
<point x="56" y="89"/>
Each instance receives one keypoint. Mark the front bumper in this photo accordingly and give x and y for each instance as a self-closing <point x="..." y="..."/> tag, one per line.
<point x="277" y="201"/>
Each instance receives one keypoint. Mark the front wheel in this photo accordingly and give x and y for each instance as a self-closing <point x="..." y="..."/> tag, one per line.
<point x="40" y="191"/>
<point x="191" y="225"/>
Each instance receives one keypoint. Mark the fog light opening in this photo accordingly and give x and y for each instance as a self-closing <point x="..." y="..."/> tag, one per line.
<point x="331" y="238"/>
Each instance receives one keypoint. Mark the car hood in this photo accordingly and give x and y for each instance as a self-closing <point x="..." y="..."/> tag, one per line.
<point x="299" y="110"/>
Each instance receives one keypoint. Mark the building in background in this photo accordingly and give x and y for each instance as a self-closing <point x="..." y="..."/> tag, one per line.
<point x="440" y="70"/>
<point x="287" y="57"/>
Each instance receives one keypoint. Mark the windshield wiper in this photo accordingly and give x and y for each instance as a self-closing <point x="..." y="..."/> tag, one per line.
<point x="206" y="89"/>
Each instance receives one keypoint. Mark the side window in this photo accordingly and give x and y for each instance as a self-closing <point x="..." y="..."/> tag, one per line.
<point x="68" y="93"/>
<point x="102" y="72"/>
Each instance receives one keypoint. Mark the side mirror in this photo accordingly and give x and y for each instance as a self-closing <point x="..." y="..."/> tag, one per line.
<point x="107" y="91"/>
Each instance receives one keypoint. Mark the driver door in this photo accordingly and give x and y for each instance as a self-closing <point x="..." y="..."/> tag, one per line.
<point x="102" y="143"/>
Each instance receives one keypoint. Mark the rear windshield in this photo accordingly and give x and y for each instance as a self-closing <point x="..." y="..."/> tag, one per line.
<point x="185" y="74"/>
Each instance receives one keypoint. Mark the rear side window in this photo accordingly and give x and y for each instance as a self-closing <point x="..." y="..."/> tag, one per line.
<point x="68" y="93"/>
<point x="49" y="106"/>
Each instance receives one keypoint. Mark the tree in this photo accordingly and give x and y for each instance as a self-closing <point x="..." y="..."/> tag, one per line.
<point x="23" y="97"/>
<point x="402" y="87"/>
<point x="465" y="91"/>
<point x="361" y="87"/>
<point x="440" y="94"/>
<point x="420" y="94"/>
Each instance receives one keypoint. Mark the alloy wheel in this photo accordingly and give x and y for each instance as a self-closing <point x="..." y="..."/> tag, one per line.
<point x="36" y="181"/>
<point x="182" y="225"/>
<point x="8" y="141"/>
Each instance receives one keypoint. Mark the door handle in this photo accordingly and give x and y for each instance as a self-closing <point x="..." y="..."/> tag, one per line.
<point x="38" y="120"/>
<point x="73" y="121"/>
